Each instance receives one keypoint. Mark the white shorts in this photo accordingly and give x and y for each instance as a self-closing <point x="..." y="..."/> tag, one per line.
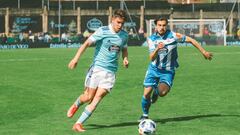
<point x="98" y="77"/>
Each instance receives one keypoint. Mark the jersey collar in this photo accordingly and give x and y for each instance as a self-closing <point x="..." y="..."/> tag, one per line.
<point x="164" y="35"/>
<point x="111" y="28"/>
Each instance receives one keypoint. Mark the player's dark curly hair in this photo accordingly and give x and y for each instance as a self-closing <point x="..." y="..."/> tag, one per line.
<point x="160" y="18"/>
<point x="120" y="13"/>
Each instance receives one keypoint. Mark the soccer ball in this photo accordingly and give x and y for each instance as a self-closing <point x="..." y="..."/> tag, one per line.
<point x="147" y="127"/>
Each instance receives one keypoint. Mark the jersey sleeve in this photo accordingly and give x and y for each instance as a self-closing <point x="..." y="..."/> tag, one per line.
<point x="97" y="35"/>
<point x="151" y="45"/>
<point x="179" y="37"/>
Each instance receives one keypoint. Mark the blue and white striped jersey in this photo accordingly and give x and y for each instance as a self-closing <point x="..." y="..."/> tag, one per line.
<point x="108" y="46"/>
<point x="167" y="57"/>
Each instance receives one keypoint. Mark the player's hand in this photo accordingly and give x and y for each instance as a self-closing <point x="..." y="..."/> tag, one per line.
<point x="125" y="62"/>
<point x="72" y="64"/>
<point x="207" y="55"/>
<point x="160" y="45"/>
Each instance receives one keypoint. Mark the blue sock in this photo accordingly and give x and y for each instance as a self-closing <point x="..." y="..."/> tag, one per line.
<point x="85" y="115"/>
<point x="77" y="102"/>
<point x="146" y="103"/>
<point x="156" y="91"/>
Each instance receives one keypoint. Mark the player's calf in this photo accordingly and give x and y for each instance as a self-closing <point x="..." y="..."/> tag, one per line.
<point x="155" y="96"/>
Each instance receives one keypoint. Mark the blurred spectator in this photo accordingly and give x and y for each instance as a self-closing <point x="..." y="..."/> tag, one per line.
<point x="238" y="34"/>
<point x="141" y="33"/>
<point x="47" y="38"/>
<point x="131" y="33"/>
<point x="64" y="37"/>
<point x="80" y="37"/>
<point x="32" y="38"/>
<point x="86" y="33"/>
<point x="191" y="34"/>
<point x="29" y="32"/>
<point x="40" y="37"/>
<point x="1" y="38"/>
<point x="206" y="35"/>
<point x="4" y="38"/>
<point x="20" y="37"/>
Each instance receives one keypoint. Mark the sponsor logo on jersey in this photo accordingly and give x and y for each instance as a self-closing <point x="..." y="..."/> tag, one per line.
<point x="114" y="48"/>
<point x="163" y="51"/>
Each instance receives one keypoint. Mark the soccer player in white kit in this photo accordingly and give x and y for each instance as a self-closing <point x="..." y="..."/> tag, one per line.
<point x="110" y="41"/>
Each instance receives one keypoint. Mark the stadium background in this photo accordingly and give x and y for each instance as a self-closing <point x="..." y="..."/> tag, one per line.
<point x="36" y="88"/>
<point x="23" y="21"/>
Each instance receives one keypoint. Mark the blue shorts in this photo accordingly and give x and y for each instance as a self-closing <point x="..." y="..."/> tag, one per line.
<point x="154" y="76"/>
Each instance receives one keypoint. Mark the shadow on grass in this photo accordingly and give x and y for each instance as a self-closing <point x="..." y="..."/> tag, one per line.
<point x="162" y="121"/>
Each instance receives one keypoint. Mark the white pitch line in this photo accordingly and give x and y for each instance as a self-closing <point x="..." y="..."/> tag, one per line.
<point x="32" y="59"/>
<point x="39" y="59"/>
<point x="214" y="53"/>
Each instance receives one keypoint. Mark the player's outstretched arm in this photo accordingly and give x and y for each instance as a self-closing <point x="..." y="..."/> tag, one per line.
<point x="73" y="63"/>
<point x="207" y="55"/>
<point x="125" y="57"/>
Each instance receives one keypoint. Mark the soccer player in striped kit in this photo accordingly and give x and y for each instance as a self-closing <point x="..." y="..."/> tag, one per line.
<point x="110" y="41"/>
<point x="163" y="55"/>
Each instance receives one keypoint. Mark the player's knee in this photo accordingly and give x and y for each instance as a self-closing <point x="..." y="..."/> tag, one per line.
<point x="163" y="92"/>
<point x="147" y="93"/>
<point x="163" y="89"/>
<point x="148" y="96"/>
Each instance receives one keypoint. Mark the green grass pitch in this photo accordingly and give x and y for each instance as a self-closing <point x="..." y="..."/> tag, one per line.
<point x="37" y="88"/>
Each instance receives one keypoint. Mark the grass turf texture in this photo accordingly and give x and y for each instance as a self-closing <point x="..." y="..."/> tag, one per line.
<point x="37" y="88"/>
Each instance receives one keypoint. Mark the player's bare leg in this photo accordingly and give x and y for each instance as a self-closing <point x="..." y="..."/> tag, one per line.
<point x="87" y="96"/>
<point x="155" y="95"/>
<point x="89" y="109"/>
<point x="163" y="89"/>
<point x="97" y="98"/>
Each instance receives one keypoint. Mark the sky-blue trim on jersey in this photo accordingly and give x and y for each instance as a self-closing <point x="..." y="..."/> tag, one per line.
<point x="167" y="57"/>
<point x="108" y="46"/>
